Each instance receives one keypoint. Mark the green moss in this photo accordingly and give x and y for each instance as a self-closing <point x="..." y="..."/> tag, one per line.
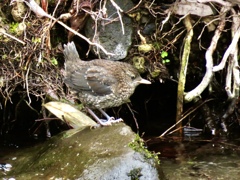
<point x="138" y="63"/>
<point x="155" y="73"/>
<point x="135" y="173"/>
<point x="36" y="40"/>
<point x="157" y="45"/>
<point x="13" y="27"/>
<point x="4" y="56"/>
<point x="138" y="145"/>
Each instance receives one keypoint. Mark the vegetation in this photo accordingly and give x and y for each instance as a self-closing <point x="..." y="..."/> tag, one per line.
<point x="199" y="38"/>
<point x="138" y="145"/>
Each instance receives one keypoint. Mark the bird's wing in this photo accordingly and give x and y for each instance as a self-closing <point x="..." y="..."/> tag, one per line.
<point x="93" y="79"/>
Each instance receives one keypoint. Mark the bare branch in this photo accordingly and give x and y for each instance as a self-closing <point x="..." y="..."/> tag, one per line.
<point x="189" y="96"/>
<point x="223" y="3"/>
<point x="119" y="14"/>
<point x="41" y="13"/>
<point x="228" y="51"/>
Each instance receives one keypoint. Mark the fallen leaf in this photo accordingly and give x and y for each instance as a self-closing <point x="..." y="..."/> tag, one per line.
<point x="183" y="7"/>
<point x="69" y="114"/>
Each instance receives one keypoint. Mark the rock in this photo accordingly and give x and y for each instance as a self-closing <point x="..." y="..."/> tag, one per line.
<point x="149" y="29"/>
<point x="109" y="32"/>
<point x="101" y="153"/>
<point x="18" y="11"/>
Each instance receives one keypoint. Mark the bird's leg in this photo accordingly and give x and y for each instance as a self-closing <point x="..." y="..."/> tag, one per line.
<point x="100" y="121"/>
<point x="104" y="122"/>
<point x="110" y="119"/>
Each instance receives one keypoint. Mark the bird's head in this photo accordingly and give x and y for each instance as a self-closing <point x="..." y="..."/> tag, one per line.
<point x="134" y="77"/>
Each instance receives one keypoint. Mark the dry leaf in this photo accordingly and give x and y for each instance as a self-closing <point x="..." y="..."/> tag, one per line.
<point x="195" y="8"/>
<point x="69" y="114"/>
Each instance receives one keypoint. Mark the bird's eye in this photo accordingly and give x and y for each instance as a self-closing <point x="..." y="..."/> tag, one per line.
<point x="132" y="77"/>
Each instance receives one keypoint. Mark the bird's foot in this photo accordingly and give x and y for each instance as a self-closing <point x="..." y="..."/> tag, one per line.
<point x="104" y="122"/>
<point x="110" y="121"/>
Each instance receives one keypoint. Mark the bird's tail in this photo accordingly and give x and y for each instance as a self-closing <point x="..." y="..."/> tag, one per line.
<point x="70" y="52"/>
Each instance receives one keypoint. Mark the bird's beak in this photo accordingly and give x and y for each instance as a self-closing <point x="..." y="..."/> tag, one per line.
<point x="144" y="81"/>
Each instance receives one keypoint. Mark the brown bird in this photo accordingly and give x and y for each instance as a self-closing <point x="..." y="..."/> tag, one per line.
<point x="100" y="83"/>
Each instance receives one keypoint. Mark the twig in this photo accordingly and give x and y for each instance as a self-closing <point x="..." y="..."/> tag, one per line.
<point x="134" y="7"/>
<point x="228" y="51"/>
<point x="119" y="14"/>
<point x="41" y="13"/>
<point x="48" y="119"/>
<point x="206" y="26"/>
<point x="189" y="96"/>
<point x="165" y="20"/>
<point x="229" y="78"/>
<point x="135" y="119"/>
<point x="180" y="19"/>
<point x="26" y="78"/>
<point x="9" y="35"/>
<point x="223" y="3"/>
<point x="55" y="9"/>
<point x="152" y="3"/>
<point x="180" y="120"/>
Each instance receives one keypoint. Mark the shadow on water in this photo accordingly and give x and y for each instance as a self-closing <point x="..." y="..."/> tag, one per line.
<point x="197" y="159"/>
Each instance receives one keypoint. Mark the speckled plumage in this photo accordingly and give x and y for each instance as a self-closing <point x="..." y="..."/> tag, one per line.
<point x="100" y="83"/>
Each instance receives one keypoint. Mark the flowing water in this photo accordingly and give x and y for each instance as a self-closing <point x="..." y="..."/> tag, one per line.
<point x="200" y="160"/>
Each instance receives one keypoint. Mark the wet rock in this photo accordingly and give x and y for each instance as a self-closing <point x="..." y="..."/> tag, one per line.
<point x="109" y="31"/>
<point x="101" y="153"/>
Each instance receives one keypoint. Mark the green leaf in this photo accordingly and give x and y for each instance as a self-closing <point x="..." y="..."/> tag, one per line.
<point x="164" y="54"/>
<point x="54" y="61"/>
<point x="166" y="61"/>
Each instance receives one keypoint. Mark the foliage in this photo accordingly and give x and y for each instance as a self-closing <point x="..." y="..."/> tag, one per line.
<point x="138" y="145"/>
<point x="13" y="27"/>
<point x="164" y="55"/>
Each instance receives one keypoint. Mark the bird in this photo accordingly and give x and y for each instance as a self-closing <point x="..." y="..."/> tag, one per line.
<point x="100" y="83"/>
